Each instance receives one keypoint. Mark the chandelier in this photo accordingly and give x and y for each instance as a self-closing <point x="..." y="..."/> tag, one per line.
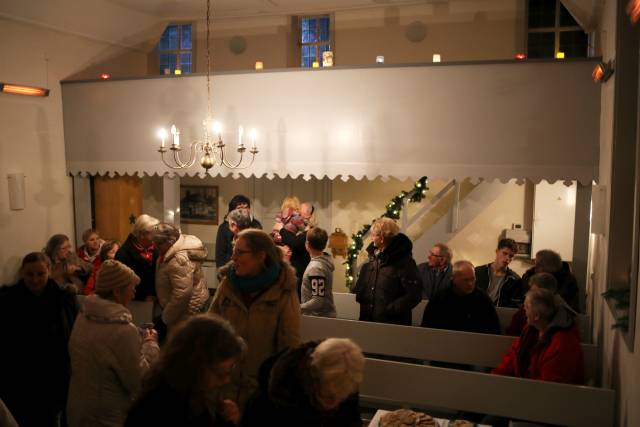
<point x="210" y="152"/>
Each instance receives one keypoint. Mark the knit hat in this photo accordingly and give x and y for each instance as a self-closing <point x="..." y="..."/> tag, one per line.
<point x="114" y="274"/>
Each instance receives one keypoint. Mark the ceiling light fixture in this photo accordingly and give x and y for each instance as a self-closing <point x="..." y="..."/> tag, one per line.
<point x="23" y="90"/>
<point x="211" y="153"/>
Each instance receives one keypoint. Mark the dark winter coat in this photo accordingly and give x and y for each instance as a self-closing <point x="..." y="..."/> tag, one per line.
<point x="388" y="285"/>
<point x="163" y="406"/>
<point x="224" y="242"/>
<point x="556" y="356"/>
<point x="129" y="256"/>
<point x="299" y="256"/>
<point x="433" y="280"/>
<point x="511" y="293"/>
<point x="567" y="284"/>
<point x="34" y="360"/>
<point x="469" y="313"/>
<point x="285" y="397"/>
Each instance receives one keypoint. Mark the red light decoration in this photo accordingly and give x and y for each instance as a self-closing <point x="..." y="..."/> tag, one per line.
<point x="521" y="56"/>
<point x="602" y="72"/>
<point x="105" y="76"/>
<point x="633" y="10"/>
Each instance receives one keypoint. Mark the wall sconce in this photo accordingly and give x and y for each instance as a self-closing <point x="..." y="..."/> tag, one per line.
<point x="602" y="72"/>
<point x="23" y="90"/>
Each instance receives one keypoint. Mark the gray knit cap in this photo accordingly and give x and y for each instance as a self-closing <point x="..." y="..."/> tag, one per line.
<point x="114" y="274"/>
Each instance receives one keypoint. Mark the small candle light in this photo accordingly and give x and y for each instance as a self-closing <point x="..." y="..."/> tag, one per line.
<point x="240" y="133"/>
<point x="259" y="65"/>
<point x="315" y="64"/>
<point x="177" y="71"/>
<point x="521" y="56"/>
<point x="380" y="59"/>
<point x="559" y="55"/>
<point x="176" y="135"/>
<point x="105" y="76"/>
<point x="436" y="57"/>
<point x="217" y="129"/>
<point x="162" y="134"/>
<point x="253" y="135"/>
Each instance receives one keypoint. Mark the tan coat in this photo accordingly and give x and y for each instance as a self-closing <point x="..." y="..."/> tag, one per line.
<point x="108" y="359"/>
<point x="270" y="324"/>
<point x="180" y="284"/>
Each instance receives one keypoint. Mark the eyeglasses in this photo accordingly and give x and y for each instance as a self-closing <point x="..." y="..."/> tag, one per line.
<point x="239" y="252"/>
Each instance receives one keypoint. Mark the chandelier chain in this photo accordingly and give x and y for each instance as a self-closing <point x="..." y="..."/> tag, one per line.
<point x="208" y="60"/>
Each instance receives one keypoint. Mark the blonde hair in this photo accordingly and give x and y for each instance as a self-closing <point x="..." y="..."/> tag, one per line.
<point x="337" y="365"/>
<point x="386" y="227"/>
<point x="290" y="203"/>
<point x="143" y="224"/>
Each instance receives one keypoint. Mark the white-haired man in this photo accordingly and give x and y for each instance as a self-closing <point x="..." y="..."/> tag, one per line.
<point x="462" y="306"/>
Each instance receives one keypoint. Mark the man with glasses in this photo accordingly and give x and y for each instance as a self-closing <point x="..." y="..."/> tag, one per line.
<point x="436" y="272"/>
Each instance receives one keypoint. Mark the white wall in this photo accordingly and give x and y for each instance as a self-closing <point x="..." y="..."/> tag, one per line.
<point x="32" y="137"/>
<point x="621" y="368"/>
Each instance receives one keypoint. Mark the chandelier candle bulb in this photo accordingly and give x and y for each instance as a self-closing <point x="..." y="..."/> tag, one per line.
<point x="162" y="134"/>
<point x="253" y="135"/>
<point x="217" y="129"/>
<point x="240" y="134"/>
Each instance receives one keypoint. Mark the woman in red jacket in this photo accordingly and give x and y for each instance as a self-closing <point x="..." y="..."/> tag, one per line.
<point x="549" y="347"/>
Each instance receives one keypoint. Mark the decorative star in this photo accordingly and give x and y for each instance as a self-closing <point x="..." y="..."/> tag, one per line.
<point x="132" y="219"/>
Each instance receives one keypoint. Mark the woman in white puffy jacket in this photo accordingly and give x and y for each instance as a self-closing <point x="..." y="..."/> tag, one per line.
<point x="180" y="284"/>
<point x="109" y="354"/>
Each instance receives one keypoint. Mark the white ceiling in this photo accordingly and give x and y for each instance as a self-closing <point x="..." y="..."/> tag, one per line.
<point x="173" y="9"/>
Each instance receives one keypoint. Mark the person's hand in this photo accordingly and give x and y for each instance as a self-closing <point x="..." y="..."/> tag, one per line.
<point x="229" y="411"/>
<point x="286" y="252"/>
<point x="633" y="10"/>
<point x="72" y="268"/>
<point x="150" y="335"/>
<point x="278" y="226"/>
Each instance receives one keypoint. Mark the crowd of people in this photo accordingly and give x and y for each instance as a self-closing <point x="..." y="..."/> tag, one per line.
<point x="236" y="357"/>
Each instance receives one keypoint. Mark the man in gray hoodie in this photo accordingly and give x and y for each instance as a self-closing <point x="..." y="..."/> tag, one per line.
<point x="317" y="290"/>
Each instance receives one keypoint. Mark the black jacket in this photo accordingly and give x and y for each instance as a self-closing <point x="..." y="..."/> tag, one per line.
<point x="469" y="313"/>
<point x="389" y="286"/>
<point x="511" y="293"/>
<point x="567" y="285"/>
<point x="300" y="258"/>
<point x="129" y="256"/>
<point x="34" y="360"/>
<point x="286" y="395"/>
<point x="224" y="242"/>
<point x="165" y="407"/>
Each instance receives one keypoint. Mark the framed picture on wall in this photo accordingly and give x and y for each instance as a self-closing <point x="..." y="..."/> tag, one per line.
<point x="199" y="204"/>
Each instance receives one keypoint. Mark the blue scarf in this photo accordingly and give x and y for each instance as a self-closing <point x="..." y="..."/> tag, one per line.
<point x="258" y="283"/>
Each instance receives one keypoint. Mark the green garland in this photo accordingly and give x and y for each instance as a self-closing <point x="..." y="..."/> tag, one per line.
<point x="393" y="208"/>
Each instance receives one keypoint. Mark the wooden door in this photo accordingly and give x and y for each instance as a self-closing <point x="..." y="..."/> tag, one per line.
<point x="117" y="202"/>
